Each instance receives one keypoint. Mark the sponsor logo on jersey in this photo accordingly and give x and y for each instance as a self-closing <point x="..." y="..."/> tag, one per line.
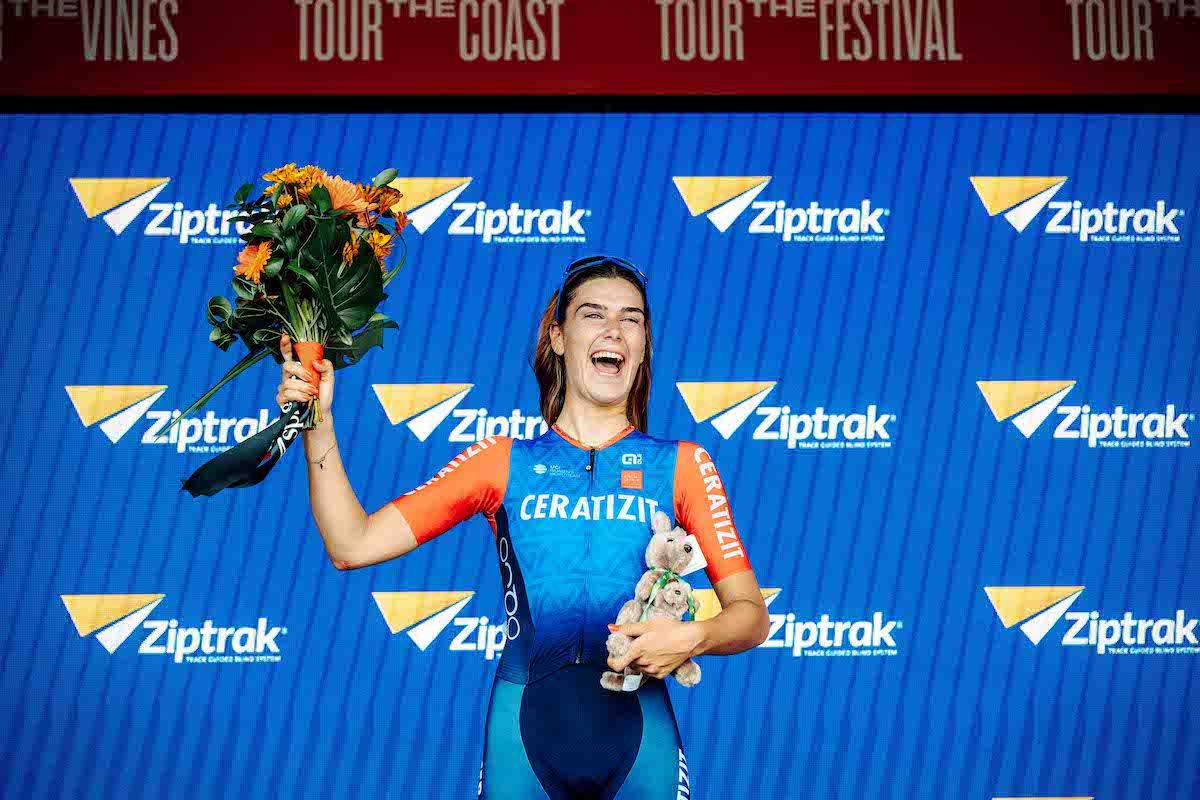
<point x="422" y="407"/>
<point x="728" y="404"/>
<point x="1028" y="404"/>
<point x="113" y="618"/>
<point x="119" y="201"/>
<point x="723" y="199"/>
<point x="425" y="200"/>
<point x="1037" y="609"/>
<point x="1020" y="198"/>
<point x="118" y="408"/>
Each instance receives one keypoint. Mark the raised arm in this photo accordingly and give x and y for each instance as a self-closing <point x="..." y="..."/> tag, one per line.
<point x="474" y="482"/>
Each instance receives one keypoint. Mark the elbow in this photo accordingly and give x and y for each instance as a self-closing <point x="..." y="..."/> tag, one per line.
<point x="764" y="627"/>
<point x="342" y="563"/>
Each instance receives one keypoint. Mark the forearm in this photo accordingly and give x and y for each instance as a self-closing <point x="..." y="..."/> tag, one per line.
<point x="739" y="626"/>
<point x="341" y="519"/>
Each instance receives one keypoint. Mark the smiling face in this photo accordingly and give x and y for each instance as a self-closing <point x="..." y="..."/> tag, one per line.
<point x="602" y="340"/>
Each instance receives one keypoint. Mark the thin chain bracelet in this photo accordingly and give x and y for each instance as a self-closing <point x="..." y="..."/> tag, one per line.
<point x="319" y="461"/>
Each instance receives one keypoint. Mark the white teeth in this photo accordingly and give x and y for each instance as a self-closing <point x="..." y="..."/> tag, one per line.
<point x="609" y="354"/>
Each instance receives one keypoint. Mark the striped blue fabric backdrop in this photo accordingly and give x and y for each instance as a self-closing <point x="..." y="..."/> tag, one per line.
<point x="898" y="520"/>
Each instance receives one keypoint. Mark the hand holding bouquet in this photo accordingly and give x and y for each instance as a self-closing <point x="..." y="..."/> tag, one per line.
<point x="313" y="269"/>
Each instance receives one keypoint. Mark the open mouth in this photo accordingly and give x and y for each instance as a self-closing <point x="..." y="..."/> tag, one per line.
<point x="608" y="362"/>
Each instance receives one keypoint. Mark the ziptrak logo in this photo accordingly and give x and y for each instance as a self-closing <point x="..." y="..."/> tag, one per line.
<point x="1021" y="198"/>
<point x="1030" y="403"/>
<point x="874" y="635"/>
<point x="118" y="408"/>
<point x="728" y="404"/>
<point x="122" y="200"/>
<point x="427" y="199"/>
<point x="424" y="406"/>
<point x="423" y="616"/>
<point x="1038" y="608"/>
<point x="115" y="617"/>
<point x="723" y="198"/>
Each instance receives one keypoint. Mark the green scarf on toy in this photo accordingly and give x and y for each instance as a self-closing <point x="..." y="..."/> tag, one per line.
<point x="666" y="577"/>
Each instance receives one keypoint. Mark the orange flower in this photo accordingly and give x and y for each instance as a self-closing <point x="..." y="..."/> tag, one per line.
<point x="401" y="221"/>
<point x="346" y="196"/>
<point x="284" y="201"/>
<point x="381" y="243"/>
<point x="350" y="249"/>
<point x="310" y="176"/>
<point x="252" y="259"/>
<point x="285" y="174"/>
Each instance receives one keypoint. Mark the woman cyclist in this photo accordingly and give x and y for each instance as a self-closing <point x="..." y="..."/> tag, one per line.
<point x="570" y="513"/>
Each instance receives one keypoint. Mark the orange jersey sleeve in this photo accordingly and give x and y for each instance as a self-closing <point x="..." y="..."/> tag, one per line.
<point x="702" y="509"/>
<point x="472" y="483"/>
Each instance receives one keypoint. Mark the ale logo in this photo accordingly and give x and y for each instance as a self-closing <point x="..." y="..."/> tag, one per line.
<point x="426" y="199"/>
<point x="118" y="199"/>
<point x="727" y="404"/>
<point x="116" y="616"/>
<point x="1020" y="198"/>
<point x="1036" y="608"/>
<point x="1026" y="403"/>
<point x="722" y="198"/>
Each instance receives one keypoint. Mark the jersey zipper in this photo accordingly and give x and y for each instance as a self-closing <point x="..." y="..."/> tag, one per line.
<point x="587" y="551"/>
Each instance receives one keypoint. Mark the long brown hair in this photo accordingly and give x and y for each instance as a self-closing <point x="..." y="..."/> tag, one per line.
<point x="551" y="370"/>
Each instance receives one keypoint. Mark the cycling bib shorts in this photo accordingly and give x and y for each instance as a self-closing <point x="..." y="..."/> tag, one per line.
<point x="571" y="524"/>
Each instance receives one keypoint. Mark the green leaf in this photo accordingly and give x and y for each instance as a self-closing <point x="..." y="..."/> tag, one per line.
<point x="343" y="336"/>
<point x="245" y="289"/>
<point x="243" y="192"/>
<point x="272" y="267"/>
<point x="249" y="360"/>
<point x="384" y="178"/>
<point x="218" y="310"/>
<point x="370" y="336"/>
<point x="267" y="231"/>
<point x="307" y="277"/>
<point x="291" y="244"/>
<point x="320" y="198"/>
<point x="387" y="278"/>
<point x="293" y="216"/>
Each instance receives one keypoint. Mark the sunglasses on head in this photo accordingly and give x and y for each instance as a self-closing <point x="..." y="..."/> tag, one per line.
<point x="594" y="261"/>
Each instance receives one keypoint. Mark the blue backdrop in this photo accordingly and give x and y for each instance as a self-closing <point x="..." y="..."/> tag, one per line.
<point x="944" y="498"/>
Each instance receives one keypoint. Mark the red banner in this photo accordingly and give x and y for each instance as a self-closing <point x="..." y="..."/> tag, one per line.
<point x="598" y="47"/>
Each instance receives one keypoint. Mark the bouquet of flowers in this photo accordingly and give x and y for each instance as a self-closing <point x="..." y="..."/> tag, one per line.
<point x="313" y="266"/>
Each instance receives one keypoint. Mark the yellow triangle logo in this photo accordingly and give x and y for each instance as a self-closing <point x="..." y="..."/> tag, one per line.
<point x="419" y="191"/>
<point x="90" y="612"/>
<point x="94" y="403"/>
<point x="1014" y="604"/>
<point x="704" y="193"/>
<point x="706" y="399"/>
<point x="708" y="606"/>
<point x="404" y="609"/>
<point x="1002" y="193"/>
<point x="404" y="400"/>
<point x="1006" y="398"/>
<point x="98" y="195"/>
